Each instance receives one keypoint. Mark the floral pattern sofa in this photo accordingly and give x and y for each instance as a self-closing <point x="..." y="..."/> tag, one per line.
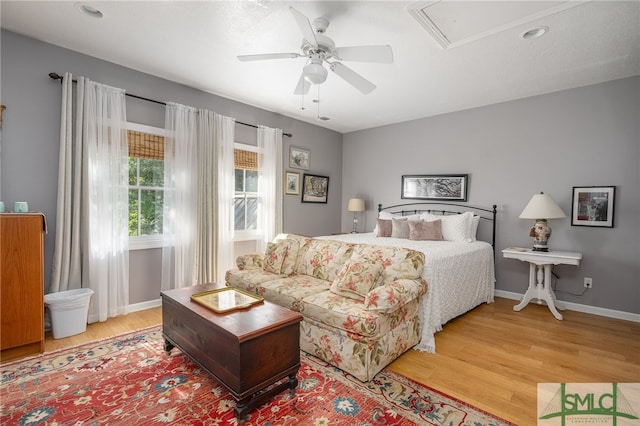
<point x="359" y="302"/>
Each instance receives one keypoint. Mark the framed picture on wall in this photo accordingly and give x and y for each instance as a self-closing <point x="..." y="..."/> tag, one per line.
<point x="315" y="188"/>
<point x="292" y="183"/>
<point x="299" y="158"/>
<point x="593" y="206"/>
<point x="435" y="187"/>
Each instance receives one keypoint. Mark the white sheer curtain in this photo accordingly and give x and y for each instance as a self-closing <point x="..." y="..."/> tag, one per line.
<point x="91" y="248"/>
<point x="198" y="221"/>
<point x="180" y="207"/>
<point x="270" y="185"/>
<point x="224" y="191"/>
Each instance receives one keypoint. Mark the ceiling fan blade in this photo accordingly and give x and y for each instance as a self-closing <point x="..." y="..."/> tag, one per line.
<point x="352" y="77"/>
<point x="261" y="57"/>
<point x="381" y="54"/>
<point x="303" y="86"/>
<point x="305" y="26"/>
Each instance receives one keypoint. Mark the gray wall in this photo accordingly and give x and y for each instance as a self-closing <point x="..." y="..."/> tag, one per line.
<point x="31" y="126"/>
<point x="590" y="136"/>
<point x="580" y="137"/>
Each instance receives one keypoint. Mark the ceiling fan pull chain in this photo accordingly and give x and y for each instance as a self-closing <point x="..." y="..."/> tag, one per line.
<point x="318" y="109"/>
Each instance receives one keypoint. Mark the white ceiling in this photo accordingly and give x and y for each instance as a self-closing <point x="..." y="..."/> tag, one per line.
<point x="486" y="60"/>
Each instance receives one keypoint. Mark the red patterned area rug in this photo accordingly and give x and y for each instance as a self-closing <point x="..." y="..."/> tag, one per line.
<point x="129" y="379"/>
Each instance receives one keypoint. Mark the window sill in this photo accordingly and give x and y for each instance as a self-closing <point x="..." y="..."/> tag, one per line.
<point x="245" y="235"/>
<point x="145" y="242"/>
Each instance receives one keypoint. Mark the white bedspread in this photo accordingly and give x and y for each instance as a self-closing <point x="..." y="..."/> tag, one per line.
<point x="460" y="276"/>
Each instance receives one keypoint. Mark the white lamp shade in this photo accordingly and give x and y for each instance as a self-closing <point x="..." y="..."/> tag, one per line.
<point x="542" y="206"/>
<point x="356" y="205"/>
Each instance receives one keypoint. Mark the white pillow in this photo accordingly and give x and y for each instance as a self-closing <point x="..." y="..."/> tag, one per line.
<point x="455" y="227"/>
<point x="474" y="227"/>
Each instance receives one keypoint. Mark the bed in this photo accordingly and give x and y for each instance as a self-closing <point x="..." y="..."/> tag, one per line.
<point x="460" y="272"/>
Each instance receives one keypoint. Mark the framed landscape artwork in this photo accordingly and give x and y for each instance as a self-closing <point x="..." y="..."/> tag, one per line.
<point x="315" y="188"/>
<point x="593" y="206"/>
<point x="292" y="183"/>
<point x="435" y="187"/>
<point x="299" y="158"/>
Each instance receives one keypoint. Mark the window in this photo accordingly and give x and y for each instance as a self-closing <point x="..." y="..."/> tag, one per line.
<point x="245" y="201"/>
<point x="146" y="185"/>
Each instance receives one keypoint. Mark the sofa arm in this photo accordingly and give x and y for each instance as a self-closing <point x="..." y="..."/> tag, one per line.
<point x="389" y="297"/>
<point x="250" y="261"/>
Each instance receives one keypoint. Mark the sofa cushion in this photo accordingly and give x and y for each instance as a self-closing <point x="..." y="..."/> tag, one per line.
<point x="323" y="259"/>
<point x="343" y="313"/>
<point x="357" y="277"/>
<point x="249" y="279"/>
<point x="396" y="262"/>
<point x="289" y="291"/>
<point x="274" y="256"/>
<point x="294" y="244"/>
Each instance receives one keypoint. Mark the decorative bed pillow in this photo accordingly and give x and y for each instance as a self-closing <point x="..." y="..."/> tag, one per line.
<point x="389" y="216"/>
<point x="383" y="228"/>
<point x="399" y="228"/>
<point x="455" y="227"/>
<point x="423" y="231"/>
<point x="357" y="278"/>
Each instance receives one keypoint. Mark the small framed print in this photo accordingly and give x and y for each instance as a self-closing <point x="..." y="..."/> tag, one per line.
<point x="315" y="188"/>
<point x="299" y="158"/>
<point x="292" y="183"/>
<point x="593" y="206"/>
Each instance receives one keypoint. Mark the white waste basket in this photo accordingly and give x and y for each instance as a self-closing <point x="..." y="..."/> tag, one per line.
<point x="69" y="310"/>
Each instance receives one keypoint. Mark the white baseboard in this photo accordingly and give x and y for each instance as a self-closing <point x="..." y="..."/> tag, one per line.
<point x="145" y="305"/>
<point x="611" y="313"/>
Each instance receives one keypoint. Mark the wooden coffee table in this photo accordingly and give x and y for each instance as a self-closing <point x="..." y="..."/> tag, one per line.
<point x="246" y="350"/>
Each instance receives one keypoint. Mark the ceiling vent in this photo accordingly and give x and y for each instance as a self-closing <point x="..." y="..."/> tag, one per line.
<point x="454" y="23"/>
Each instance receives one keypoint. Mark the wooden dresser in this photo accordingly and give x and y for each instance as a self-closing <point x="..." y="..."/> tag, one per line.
<point x="21" y="284"/>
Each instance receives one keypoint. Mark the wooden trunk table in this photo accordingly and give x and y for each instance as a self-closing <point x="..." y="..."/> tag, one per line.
<point x="246" y="350"/>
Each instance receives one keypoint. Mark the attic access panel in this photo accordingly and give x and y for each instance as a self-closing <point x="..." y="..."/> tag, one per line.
<point x="453" y="23"/>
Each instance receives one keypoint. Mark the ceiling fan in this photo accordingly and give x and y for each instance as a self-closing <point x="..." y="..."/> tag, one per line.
<point x="319" y="48"/>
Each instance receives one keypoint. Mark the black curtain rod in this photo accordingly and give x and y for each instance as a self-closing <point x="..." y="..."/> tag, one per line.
<point x="56" y="76"/>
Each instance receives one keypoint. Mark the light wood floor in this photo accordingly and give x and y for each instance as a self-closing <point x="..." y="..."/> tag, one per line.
<point x="491" y="357"/>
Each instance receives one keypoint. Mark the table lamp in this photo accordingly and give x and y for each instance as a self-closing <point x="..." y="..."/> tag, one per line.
<point x="541" y="207"/>
<point x="355" y="205"/>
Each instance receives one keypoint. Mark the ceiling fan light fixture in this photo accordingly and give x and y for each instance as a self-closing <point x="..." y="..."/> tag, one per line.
<point x="315" y="73"/>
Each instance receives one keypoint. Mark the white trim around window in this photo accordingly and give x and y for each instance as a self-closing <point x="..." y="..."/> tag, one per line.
<point x="144" y="242"/>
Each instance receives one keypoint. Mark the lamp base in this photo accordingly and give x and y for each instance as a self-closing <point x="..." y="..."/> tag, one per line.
<point x="540" y="233"/>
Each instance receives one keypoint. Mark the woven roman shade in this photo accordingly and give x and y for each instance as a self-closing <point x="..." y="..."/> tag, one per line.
<point x="145" y="145"/>
<point x="247" y="160"/>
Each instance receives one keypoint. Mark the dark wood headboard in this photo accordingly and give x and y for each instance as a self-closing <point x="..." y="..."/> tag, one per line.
<point x="488" y="214"/>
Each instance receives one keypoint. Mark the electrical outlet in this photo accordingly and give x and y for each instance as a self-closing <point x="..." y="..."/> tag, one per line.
<point x="588" y="283"/>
